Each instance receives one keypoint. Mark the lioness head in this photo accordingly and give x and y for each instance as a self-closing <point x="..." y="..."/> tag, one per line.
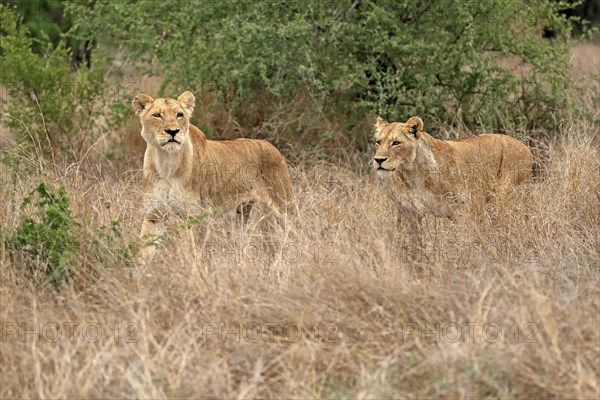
<point x="396" y="144"/>
<point x="165" y="121"/>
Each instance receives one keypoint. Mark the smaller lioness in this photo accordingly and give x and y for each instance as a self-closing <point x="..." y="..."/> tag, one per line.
<point x="185" y="174"/>
<point x="428" y="176"/>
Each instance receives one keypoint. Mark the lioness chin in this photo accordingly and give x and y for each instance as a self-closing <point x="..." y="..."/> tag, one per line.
<point x="185" y="174"/>
<point x="425" y="175"/>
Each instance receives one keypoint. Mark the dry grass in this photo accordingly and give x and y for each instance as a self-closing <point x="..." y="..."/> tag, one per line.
<point x="505" y="304"/>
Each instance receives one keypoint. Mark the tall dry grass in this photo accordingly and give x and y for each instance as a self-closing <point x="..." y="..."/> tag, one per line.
<point x="502" y="301"/>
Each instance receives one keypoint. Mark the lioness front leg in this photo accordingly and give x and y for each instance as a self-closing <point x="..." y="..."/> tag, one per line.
<point x="152" y="230"/>
<point x="243" y="212"/>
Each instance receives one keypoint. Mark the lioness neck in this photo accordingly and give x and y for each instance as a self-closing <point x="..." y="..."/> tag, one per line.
<point x="168" y="165"/>
<point x="417" y="174"/>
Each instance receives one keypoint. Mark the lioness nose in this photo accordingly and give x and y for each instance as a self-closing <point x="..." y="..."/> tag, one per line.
<point x="380" y="160"/>
<point x="172" y="132"/>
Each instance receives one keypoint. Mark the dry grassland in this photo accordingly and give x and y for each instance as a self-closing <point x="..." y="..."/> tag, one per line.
<point x="502" y="301"/>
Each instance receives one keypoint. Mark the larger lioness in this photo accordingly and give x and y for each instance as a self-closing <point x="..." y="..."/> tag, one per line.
<point x="185" y="174"/>
<point x="426" y="175"/>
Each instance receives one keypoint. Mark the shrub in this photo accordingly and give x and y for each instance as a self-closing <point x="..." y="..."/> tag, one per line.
<point x="46" y="238"/>
<point x="50" y="107"/>
<point x="46" y="20"/>
<point x="53" y="246"/>
<point x="438" y="59"/>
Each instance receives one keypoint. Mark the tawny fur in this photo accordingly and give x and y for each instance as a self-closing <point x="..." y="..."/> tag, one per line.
<point x="427" y="175"/>
<point x="186" y="174"/>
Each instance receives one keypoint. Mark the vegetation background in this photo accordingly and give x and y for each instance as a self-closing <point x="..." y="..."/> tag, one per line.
<point x="503" y="301"/>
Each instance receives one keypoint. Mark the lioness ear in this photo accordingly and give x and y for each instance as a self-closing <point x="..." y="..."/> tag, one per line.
<point x="415" y="124"/>
<point x="188" y="100"/>
<point x="380" y="124"/>
<point x="141" y="102"/>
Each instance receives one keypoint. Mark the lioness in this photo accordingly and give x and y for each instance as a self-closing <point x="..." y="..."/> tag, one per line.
<point x="426" y="174"/>
<point x="184" y="173"/>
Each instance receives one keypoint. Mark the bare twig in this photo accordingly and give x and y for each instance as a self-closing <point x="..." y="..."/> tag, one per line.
<point x="343" y="15"/>
<point x="34" y="138"/>
<point x="50" y="148"/>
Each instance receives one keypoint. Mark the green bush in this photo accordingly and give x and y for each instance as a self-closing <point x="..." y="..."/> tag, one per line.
<point x="46" y="20"/>
<point x="50" y="107"/>
<point x="438" y="59"/>
<point x="54" y="247"/>
<point x="46" y="238"/>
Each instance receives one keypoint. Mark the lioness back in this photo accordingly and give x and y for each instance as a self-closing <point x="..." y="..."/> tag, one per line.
<point x="500" y="156"/>
<point x="242" y="166"/>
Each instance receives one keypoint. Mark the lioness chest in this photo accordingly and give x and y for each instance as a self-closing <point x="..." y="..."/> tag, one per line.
<point x="170" y="195"/>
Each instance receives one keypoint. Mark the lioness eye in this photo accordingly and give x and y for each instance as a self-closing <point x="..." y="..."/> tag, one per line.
<point x="395" y="143"/>
<point x="179" y="115"/>
<point x="157" y="115"/>
<point x="378" y="142"/>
